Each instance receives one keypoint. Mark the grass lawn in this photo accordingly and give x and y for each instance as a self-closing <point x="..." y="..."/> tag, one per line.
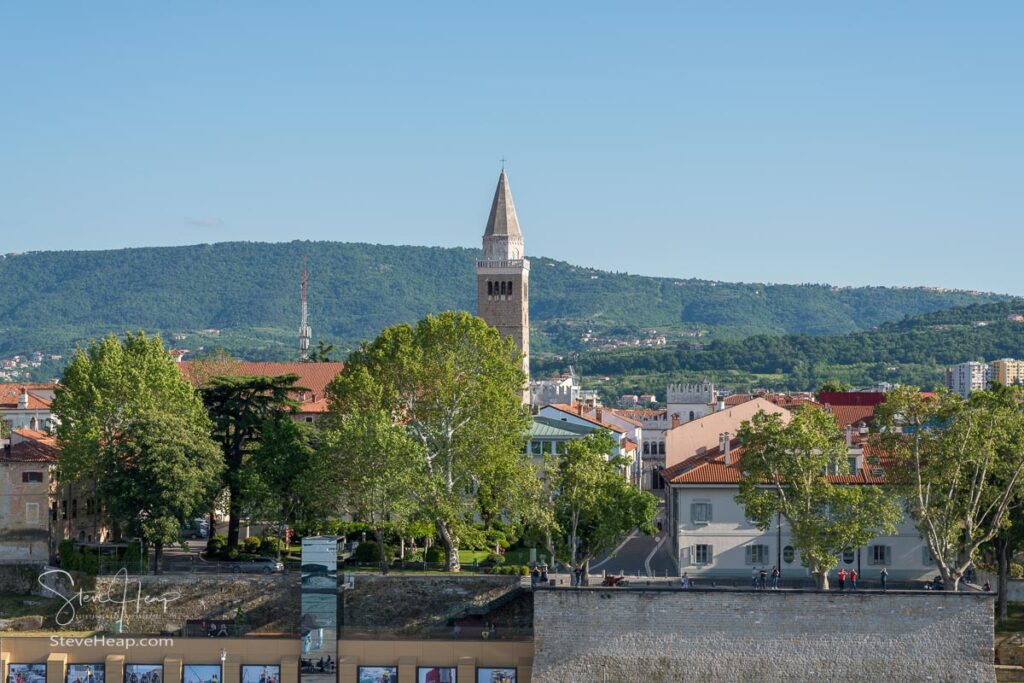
<point x="12" y="605"/>
<point x="467" y="556"/>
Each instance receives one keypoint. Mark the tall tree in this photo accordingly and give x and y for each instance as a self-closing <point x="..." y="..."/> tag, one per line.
<point x="455" y="386"/>
<point x="786" y="470"/>
<point x="240" y="407"/>
<point x="323" y="353"/>
<point x="280" y="482"/>
<point x="962" y="465"/>
<point x="372" y="465"/>
<point x="131" y="423"/>
<point x="594" y="505"/>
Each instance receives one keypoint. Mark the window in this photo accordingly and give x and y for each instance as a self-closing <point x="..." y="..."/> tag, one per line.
<point x="309" y="419"/>
<point x="560" y="447"/>
<point x="509" y="289"/>
<point x="535" y="448"/>
<point x="661" y="448"/>
<point x="853" y="464"/>
<point x="32" y="513"/>
<point x="848" y="556"/>
<point x="63" y="509"/>
<point x="74" y="508"/>
<point x="647" y="447"/>
<point x="757" y="554"/>
<point x="700" y="513"/>
<point x="702" y="554"/>
<point x="879" y="554"/>
<point x="32" y="477"/>
<point x="657" y="482"/>
<point x="692" y="415"/>
<point x="788" y="554"/>
<point x="490" y="288"/>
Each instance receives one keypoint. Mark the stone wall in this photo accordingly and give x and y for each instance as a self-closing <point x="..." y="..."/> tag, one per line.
<point x="654" y="635"/>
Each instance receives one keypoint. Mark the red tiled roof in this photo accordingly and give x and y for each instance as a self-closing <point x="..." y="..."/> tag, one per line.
<point x="628" y="445"/>
<point x="10" y="394"/>
<point x="620" y="414"/>
<point x="33" y="446"/>
<point x="852" y="415"/>
<point x="312" y="376"/>
<point x="568" y="409"/>
<point x="710" y="468"/>
<point x="852" y="398"/>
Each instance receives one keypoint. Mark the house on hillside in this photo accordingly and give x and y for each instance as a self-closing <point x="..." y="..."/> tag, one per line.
<point x="27" y="406"/>
<point x="593" y="419"/>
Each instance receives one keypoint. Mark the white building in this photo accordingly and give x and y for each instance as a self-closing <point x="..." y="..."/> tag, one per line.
<point x="713" y="538"/>
<point x="690" y="401"/>
<point x="27" y="406"/>
<point x="964" y="378"/>
<point x="564" y="389"/>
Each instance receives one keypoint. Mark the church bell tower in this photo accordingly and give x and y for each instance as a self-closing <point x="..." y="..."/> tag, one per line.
<point x="503" y="274"/>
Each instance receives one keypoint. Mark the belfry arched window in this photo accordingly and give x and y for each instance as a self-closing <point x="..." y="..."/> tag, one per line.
<point x="490" y="288"/>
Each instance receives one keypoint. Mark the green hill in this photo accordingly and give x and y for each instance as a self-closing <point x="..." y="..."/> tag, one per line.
<point x="911" y="351"/>
<point x="50" y="301"/>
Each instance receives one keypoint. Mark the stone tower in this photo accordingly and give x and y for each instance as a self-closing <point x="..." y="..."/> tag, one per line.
<point x="503" y="275"/>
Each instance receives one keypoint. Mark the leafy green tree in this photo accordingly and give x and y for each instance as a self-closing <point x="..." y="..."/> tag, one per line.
<point x="322" y="353"/>
<point x="833" y="385"/>
<point x="962" y="466"/>
<point x="240" y="407"/>
<point x="785" y="471"/>
<point x="131" y="423"/>
<point x="280" y="482"/>
<point x="594" y="505"/>
<point x="372" y="466"/>
<point x="455" y="386"/>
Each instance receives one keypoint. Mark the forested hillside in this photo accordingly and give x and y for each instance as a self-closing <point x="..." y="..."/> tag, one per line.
<point x="913" y="350"/>
<point x="49" y="301"/>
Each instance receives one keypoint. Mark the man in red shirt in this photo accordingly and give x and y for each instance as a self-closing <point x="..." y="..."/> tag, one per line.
<point x="853" y="579"/>
<point x="842" y="579"/>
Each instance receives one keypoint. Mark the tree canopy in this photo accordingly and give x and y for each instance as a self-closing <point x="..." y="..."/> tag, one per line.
<point x="785" y="471"/>
<point x="455" y="386"/>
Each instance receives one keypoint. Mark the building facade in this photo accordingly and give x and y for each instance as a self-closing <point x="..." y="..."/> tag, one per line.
<point x="26" y="480"/>
<point x="503" y="275"/>
<point x="964" y="378"/>
<point x="1007" y="371"/>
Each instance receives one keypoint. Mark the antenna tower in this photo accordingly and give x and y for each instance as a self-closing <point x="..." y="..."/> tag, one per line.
<point x="305" y="331"/>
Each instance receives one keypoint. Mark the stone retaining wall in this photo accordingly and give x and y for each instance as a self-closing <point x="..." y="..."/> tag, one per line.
<point x="653" y="635"/>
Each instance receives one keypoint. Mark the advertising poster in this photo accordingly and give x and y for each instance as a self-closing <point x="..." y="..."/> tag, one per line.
<point x="26" y="673"/>
<point x="436" y="674"/>
<point x="496" y="675"/>
<point x="378" y="674"/>
<point x="143" y="673"/>
<point x="261" y="674"/>
<point x="201" y="673"/>
<point x="86" y="673"/>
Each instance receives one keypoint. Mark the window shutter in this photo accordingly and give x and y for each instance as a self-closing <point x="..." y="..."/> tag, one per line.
<point x="711" y="554"/>
<point x="888" y="554"/>
<point x="749" y="552"/>
<point x="693" y="513"/>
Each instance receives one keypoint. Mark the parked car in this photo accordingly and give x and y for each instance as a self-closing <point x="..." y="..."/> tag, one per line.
<point x="194" y="530"/>
<point x="259" y="565"/>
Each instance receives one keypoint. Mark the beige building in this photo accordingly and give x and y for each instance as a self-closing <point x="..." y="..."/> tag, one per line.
<point x="26" y="480"/>
<point x="686" y="440"/>
<point x="503" y="275"/>
<point x="1007" y="371"/>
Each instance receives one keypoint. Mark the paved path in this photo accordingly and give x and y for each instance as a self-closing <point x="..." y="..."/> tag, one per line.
<point x="638" y="555"/>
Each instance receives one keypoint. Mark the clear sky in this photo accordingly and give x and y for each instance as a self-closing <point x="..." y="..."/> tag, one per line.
<point x="851" y="143"/>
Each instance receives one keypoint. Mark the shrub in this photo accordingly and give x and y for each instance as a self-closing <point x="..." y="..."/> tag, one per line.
<point x="1016" y="570"/>
<point x="435" y="555"/>
<point x="231" y="553"/>
<point x="215" y="546"/>
<point x="370" y="552"/>
<point x="271" y="545"/>
<point x="252" y="544"/>
<point x="495" y="537"/>
<point x="492" y="560"/>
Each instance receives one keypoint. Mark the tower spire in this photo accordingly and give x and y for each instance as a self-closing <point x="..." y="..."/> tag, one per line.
<point x="305" y="331"/>
<point x="503" y="220"/>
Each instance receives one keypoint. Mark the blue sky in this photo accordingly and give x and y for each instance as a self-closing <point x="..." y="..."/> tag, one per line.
<point x="852" y="143"/>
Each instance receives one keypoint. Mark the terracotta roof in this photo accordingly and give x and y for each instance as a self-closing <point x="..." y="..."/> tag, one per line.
<point x="620" y="414"/>
<point x="628" y="445"/>
<point x="31" y="446"/>
<point x="710" y="468"/>
<point x="852" y="415"/>
<point x="568" y="409"/>
<point x="851" y="398"/>
<point x="312" y="376"/>
<point x="10" y="394"/>
<point x="639" y="413"/>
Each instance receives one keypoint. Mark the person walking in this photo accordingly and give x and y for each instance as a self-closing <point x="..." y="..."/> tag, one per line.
<point x="534" y="576"/>
<point x="685" y="581"/>
<point x="775" y="577"/>
<point x="853" y="579"/>
<point x="544" y="575"/>
<point x="884" y="574"/>
<point x="842" y="579"/>
<point x="762" y="578"/>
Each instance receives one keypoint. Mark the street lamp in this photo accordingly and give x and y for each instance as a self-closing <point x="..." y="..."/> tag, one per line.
<point x="223" y="659"/>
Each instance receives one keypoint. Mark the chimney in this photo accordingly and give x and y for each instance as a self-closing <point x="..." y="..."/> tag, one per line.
<point x="598" y="414"/>
<point x="725" y="444"/>
<point x="849" y="435"/>
<point x="721" y="405"/>
<point x="675" y="420"/>
<point x="23" y="400"/>
<point x="579" y="408"/>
